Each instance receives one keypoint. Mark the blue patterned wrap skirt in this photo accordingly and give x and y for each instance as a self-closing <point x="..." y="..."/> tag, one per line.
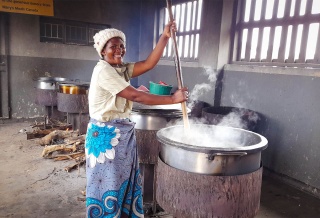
<point x="114" y="184"/>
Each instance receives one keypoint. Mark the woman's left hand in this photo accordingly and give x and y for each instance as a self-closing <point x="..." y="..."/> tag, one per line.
<point x="166" y="31"/>
<point x="180" y="95"/>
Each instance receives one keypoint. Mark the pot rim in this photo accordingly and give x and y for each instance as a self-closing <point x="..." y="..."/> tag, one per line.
<point x="46" y="85"/>
<point x="84" y="85"/>
<point x="51" y="79"/>
<point x="157" y="113"/>
<point x="263" y="144"/>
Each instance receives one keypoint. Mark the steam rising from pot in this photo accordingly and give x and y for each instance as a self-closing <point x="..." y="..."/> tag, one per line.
<point x="205" y="135"/>
<point x="200" y="89"/>
<point x="208" y="135"/>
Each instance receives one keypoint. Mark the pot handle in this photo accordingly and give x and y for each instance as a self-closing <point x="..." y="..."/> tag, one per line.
<point x="238" y="153"/>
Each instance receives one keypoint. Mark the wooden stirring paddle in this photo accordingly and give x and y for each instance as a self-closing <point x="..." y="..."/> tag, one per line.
<point x="178" y="67"/>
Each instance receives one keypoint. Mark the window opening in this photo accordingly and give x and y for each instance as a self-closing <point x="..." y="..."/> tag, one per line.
<point x="313" y="30"/>
<point x="315" y="7"/>
<point x="303" y="7"/>
<point x="265" y="40"/>
<point x="288" y="42"/>
<point x="188" y="19"/>
<point x="276" y="43"/>
<point x="281" y="32"/>
<point x="68" y="32"/>
<point x="257" y="11"/>
<point x="51" y="31"/>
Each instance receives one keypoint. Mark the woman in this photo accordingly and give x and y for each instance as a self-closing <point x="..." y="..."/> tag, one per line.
<point x="114" y="186"/>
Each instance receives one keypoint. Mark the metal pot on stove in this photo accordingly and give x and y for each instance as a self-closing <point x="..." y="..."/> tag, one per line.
<point x="75" y="88"/>
<point x="155" y="117"/>
<point x="211" y="150"/>
<point x="49" y="83"/>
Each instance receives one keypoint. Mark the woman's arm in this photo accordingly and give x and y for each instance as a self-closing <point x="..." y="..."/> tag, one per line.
<point x="133" y="94"/>
<point x="141" y="67"/>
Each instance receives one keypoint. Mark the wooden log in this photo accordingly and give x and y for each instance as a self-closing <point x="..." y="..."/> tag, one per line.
<point x="57" y="123"/>
<point x="74" y="166"/>
<point x="57" y="134"/>
<point x="52" y="148"/>
<point x="185" y="194"/>
<point x="39" y="131"/>
<point x="52" y="126"/>
<point x="81" y="199"/>
<point x="71" y="156"/>
<point x="76" y="139"/>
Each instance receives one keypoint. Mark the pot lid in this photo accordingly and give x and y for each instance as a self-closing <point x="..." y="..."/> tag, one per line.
<point x="158" y="110"/>
<point x="52" y="79"/>
<point x="171" y="107"/>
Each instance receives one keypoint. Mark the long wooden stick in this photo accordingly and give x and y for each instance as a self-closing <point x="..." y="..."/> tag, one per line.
<point x="178" y="67"/>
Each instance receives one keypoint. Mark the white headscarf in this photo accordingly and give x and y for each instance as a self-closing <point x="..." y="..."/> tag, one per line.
<point x="102" y="37"/>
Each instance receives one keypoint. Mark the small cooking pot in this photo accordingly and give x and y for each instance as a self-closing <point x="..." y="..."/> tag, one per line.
<point x="75" y="88"/>
<point x="49" y="83"/>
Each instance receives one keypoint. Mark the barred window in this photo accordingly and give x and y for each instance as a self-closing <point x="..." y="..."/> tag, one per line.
<point x="76" y="33"/>
<point x="188" y="19"/>
<point x="52" y="31"/>
<point x="68" y="32"/>
<point x="285" y="32"/>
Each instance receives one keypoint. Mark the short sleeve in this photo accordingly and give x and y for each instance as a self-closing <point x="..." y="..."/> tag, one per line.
<point x="130" y="69"/>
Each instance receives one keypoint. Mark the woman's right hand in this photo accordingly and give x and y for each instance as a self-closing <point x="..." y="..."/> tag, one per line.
<point x="180" y="95"/>
<point x="167" y="29"/>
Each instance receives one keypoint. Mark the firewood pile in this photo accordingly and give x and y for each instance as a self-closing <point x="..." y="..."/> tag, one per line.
<point x="60" y="142"/>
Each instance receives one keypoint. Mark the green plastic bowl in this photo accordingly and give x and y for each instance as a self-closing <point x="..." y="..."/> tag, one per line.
<point x="159" y="89"/>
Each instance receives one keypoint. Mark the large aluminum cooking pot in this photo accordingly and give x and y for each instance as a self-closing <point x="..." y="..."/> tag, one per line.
<point x="211" y="150"/>
<point x="155" y="117"/>
<point x="49" y="83"/>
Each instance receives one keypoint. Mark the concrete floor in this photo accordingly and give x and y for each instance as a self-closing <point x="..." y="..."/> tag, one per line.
<point x="31" y="186"/>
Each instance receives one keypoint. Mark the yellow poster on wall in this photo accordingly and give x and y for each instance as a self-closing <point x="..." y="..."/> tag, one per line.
<point x="36" y="7"/>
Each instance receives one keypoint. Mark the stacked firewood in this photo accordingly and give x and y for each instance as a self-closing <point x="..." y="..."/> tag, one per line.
<point x="60" y="143"/>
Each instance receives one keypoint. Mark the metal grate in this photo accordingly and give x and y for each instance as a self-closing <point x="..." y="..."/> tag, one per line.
<point x="51" y="31"/>
<point x="76" y="34"/>
<point x="188" y="19"/>
<point x="283" y="32"/>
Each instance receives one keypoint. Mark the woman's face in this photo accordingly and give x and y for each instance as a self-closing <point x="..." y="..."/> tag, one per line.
<point x="114" y="51"/>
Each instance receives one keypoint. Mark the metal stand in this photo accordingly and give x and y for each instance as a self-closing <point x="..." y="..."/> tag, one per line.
<point x="78" y="121"/>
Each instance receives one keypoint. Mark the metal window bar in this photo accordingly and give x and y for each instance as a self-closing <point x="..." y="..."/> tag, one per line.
<point x="260" y="32"/>
<point x="239" y="30"/>
<point x="294" y="33"/>
<point x="272" y="32"/>
<point x="277" y="45"/>
<point x="305" y="32"/>
<point x="193" y="15"/>
<point x="183" y="18"/>
<point x="184" y="31"/>
<point x="249" y="36"/>
<point x="317" y="53"/>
